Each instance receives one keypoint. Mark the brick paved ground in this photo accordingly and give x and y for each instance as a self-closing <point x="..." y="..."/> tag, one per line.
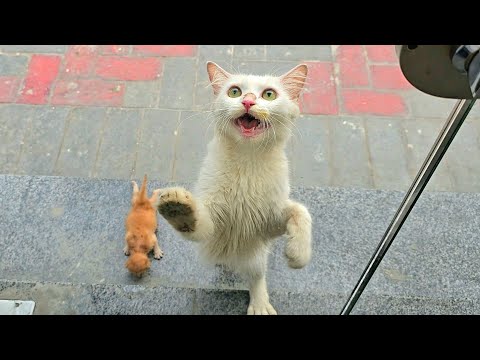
<point x="119" y="111"/>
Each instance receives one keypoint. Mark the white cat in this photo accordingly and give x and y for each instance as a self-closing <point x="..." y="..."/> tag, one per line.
<point x="241" y="201"/>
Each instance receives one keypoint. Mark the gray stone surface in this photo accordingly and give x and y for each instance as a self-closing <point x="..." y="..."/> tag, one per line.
<point x="13" y="65"/>
<point x="118" y="145"/>
<point x="136" y="299"/>
<point x="420" y="136"/>
<point x="262" y="67"/>
<point x="235" y="302"/>
<point x="14" y="125"/>
<point x="129" y="142"/>
<point x="194" y="133"/>
<point x="220" y="54"/>
<point x="389" y="305"/>
<point x="81" y="242"/>
<point x="72" y="232"/>
<point x="350" y="161"/>
<point x="387" y="148"/>
<point x="252" y="52"/>
<point x="474" y="112"/>
<point x="178" y="84"/>
<point x="463" y="157"/>
<point x="141" y="94"/>
<point x="299" y="52"/>
<point x="155" y="150"/>
<point x="215" y="53"/>
<point x="43" y="140"/>
<point x="426" y="106"/>
<point x="105" y="299"/>
<point x="100" y="299"/>
<point x="203" y="96"/>
<point x="33" y="48"/>
<point x="80" y="144"/>
<point x="221" y="302"/>
<point x="310" y="163"/>
<point x="51" y="298"/>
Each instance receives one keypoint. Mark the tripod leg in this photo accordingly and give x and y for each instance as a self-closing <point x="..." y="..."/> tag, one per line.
<point x="443" y="141"/>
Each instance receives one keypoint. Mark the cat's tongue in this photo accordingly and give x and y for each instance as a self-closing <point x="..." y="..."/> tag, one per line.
<point x="248" y="124"/>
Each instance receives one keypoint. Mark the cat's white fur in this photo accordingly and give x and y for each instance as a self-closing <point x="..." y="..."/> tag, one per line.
<point x="241" y="200"/>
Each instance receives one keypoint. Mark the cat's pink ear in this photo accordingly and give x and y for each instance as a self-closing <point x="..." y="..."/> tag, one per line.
<point x="217" y="76"/>
<point x="294" y="80"/>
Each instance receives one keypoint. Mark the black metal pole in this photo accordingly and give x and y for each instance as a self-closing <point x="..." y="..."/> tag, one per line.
<point x="444" y="139"/>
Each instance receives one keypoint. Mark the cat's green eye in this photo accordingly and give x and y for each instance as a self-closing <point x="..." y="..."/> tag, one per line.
<point x="234" y="92"/>
<point x="269" y="94"/>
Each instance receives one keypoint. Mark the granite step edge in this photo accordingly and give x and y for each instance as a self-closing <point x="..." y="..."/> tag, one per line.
<point x="112" y="299"/>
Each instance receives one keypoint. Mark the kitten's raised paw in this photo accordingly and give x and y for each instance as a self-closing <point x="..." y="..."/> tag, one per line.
<point x="176" y="205"/>
<point x="261" y="309"/>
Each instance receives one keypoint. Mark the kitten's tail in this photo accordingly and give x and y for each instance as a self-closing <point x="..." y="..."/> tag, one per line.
<point x="143" y="189"/>
<point x="138" y="263"/>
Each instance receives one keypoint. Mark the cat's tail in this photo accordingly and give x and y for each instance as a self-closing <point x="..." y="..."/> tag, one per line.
<point x="138" y="263"/>
<point x="143" y="189"/>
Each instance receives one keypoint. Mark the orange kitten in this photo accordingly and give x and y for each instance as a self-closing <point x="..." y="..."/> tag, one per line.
<point x="140" y="225"/>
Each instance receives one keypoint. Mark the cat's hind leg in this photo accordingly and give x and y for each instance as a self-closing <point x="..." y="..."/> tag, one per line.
<point x="185" y="214"/>
<point x="299" y="235"/>
<point x="126" y="248"/>
<point x="157" y="252"/>
<point x="155" y="198"/>
<point x="256" y="276"/>
<point x="134" y="192"/>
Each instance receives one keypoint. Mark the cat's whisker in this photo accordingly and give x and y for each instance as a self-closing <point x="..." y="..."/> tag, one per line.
<point x="213" y="119"/>
<point x="281" y="116"/>
<point x="294" y="133"/>
<point x="190" y="117"/>
<point x="177" y="129"/>
<point x="208" y="114"/>
<point x="274" y="132"/>
<point x="224" y="123"/>
<point x="237" y="144"/>
<point x="275" y="71"/>
<point x="208" y="106"/>
<point x="265" y="147"/>
<point x="285" y="126"/>
<point x="235" y="69"/>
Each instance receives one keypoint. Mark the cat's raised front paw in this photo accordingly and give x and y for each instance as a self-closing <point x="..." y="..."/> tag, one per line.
<point x="177" y="206"/>
<point x="263" y="308"/>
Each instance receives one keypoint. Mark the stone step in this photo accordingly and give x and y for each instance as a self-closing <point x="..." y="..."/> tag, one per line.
<point x="61" y="243"/>
<point x="113" y="299"/>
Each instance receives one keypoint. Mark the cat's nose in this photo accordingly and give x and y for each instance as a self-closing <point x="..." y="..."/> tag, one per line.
<point x="249" y="101"/>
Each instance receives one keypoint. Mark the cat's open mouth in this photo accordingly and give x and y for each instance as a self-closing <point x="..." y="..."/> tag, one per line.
<point x="250" y="125"/>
